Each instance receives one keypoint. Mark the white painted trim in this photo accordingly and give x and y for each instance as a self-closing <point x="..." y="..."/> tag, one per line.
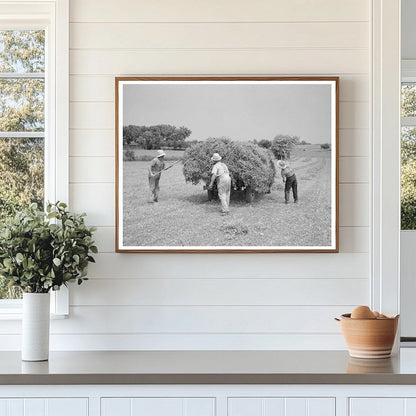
<point x="409" y="70"/>
<point x="408" y="121"/>
<point x="17" y="134"/>
<point x="386" y="156"/>
<point x="55" y="16"/>
<point x="31" y="75"/>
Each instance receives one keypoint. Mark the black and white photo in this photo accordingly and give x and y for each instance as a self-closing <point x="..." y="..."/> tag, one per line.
<point x="234" y="164"/>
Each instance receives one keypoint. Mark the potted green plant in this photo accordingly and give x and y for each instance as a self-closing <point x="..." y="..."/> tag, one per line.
<point x="40" y="252"/>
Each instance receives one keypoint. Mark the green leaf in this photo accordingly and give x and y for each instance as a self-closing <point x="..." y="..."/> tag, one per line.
<point x="57" y="262"/>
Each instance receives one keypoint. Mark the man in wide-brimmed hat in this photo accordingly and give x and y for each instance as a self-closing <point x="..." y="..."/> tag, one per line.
<point x="155" y="171"/>
<point x="289" y="179"/>
<point x="221" y="174"/>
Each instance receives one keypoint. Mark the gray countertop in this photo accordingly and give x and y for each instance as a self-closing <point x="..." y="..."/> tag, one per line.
<point x="207" y="367"/>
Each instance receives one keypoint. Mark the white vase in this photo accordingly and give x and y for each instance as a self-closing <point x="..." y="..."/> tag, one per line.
<point x="35" y="326"/>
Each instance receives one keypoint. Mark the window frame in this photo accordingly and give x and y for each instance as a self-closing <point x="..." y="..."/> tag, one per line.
<point x="53" y="17"/>
<point x="408" y="76"/>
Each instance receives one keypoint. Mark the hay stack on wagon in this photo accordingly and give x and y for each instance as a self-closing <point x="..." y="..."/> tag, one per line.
<point x="251" y="167"/>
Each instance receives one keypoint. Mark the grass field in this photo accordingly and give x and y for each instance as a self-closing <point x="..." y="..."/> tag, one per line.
<point x="184" y="216"/>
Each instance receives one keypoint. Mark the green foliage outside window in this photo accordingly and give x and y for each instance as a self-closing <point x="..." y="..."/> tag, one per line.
<point x="21" y="110"/>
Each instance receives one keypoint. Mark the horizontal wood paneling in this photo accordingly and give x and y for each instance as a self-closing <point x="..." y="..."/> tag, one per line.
<point x="287" y="296"/>
<point x="354" y="142"/>
<point x="201" y="319"/>
<point x="219" y="62"/>
<point x="146" y="342"/>
<point x="354" y="208"/>
<point x="94" y="143"/>
<point x="221" y="291"/>
<point x="352" y="115"/>
<point x="96" y="199"/>
<point x="218" y="11"/>
<point x="218" y="36"/>
<point x="352" y="239"/>
<point x="354" y="170"/>
<point x="195" y="320"/>
<point x="251" y="265"/>
<point x="88" y="169"/>
<point x="99" y="88"/>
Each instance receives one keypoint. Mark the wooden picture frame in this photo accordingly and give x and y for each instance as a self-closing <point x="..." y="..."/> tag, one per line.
<point x="256" y="125"/>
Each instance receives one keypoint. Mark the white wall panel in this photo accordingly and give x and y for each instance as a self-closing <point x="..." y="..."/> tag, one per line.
<point x="92" y="88"/>
<point x="93" y="143"/>
<point x="354" y="170"/>
<point x="105" y="238"/>
<point x="91" y="169"/>
<point x="209" y="320"/>
<point x="190" y="341"/>
<point x="222" y="61"/>
<point x="353" y="115"/>
<point x="92" y="115"/>
<point x="354" y="239"/>
<point x="354" y="142"/>
<point x="96" y="199"/>
<point x="221" y="292"/>
<point x="218" y="11"/>
<point x="250" y="265"/>
<point x="354" y="202"/>
<point x="102" y="88"/>
<point x="144" y="301"/>
<point x="218" y="36"/>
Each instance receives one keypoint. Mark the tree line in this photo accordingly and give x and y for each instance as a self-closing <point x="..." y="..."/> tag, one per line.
<point x="155" y="137"/>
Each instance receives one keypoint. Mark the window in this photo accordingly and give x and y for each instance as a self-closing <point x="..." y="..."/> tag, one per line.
<point x="33" y="111"/>
<point x="408" y="154"/>
<point x="22" y="124"/>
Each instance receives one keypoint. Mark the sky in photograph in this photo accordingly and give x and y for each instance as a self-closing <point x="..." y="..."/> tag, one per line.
<point x="238" y="111"/>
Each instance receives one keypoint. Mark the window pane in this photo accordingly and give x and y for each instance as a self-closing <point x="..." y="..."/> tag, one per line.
<point x="22" y="51"/>
<point x="21" y="173"/>
<point x="408" y="178"/>
<point x="21" y="109"/>
<point x="22" y="104"/>
<point x="21" y="182"/>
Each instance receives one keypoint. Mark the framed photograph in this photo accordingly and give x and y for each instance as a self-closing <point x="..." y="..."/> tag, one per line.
<point x="227" y="164"/>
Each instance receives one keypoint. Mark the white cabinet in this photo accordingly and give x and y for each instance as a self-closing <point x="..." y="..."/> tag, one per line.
<point x="160" y="406"/>
<point x="382" y="406"/>
<point x="44" y="407"/>
<point x="271" y="406"/>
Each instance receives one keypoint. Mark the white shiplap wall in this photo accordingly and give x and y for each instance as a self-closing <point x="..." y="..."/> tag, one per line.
<point x="215" y="301"/>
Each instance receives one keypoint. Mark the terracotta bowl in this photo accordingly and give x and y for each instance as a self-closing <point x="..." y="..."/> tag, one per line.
<point x="369" y="338"/>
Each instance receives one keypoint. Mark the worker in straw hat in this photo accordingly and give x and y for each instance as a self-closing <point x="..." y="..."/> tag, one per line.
<point x="289" y="179"/>
<point x="154" y="172"/>
<point x="221" y="174"/>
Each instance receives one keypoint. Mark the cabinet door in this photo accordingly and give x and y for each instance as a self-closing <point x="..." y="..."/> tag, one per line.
<point x="44" y="407"/>
<point x="270" y="406"/>
<point x="377" y="406"/>
<point x="160" y="406"/>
